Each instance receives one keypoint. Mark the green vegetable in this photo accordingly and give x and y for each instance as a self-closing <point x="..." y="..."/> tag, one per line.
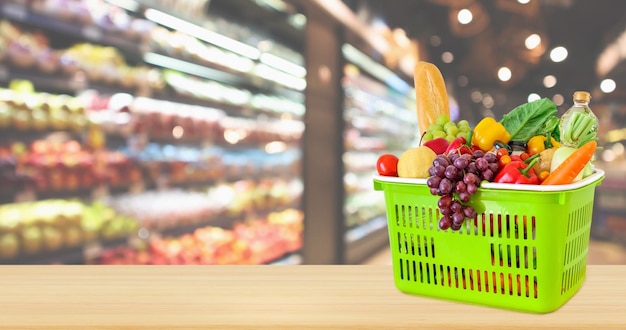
<point x="530" y="119"/>
<point x="552" y="126"/>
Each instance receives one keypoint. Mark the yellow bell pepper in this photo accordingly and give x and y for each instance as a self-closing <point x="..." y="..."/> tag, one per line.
<point x="539" y="143"/>
<point x="488" y="131"/>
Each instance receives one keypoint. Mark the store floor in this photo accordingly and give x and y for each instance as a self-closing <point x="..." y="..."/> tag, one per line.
<point x="600" y="253"/>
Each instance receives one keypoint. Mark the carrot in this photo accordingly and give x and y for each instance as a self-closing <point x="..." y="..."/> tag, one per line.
<point x="572" y="165"/>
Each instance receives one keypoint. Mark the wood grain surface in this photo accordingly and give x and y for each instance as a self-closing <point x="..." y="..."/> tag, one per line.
<point x="270" y="297"/>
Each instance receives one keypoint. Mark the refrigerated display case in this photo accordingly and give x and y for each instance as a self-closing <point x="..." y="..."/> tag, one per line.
<point x="379" y="114"/>
<point x="148" y="132"/>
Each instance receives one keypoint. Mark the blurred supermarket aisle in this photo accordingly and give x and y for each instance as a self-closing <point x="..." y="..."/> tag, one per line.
<point x="600" y="253"/>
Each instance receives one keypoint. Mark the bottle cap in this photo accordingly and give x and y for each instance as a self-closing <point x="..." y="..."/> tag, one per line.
<point x="581" y="96"/>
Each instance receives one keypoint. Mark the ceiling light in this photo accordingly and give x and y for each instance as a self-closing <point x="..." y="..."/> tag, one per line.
<point x="608" y="155"/>
<point x="549" y="81"/>
<point x="504" y="73"/>
<point x="297" y="20"/>
<point x="533" y="97"/>
<point x="558" y="99"/>
<point x="488" y="102"/>
<point x="558" y="54"/>
<point x="435" y="41"/>
<point x="476" y="96"/>
<point x="523" y="2"/>
<point x="201" y="33"/>
<point x="190" y="68"/>
<point x="532" y="41"/>
<point x="618" y="148"/>
<point x="465" y="16"/>
<point x="399" y="36"/>
<point x="275" y="147"/>
<point x="607" y="85"/>
<point x="178" y="132"/>
<point x="447" y="57"/>
<point x="377" y="70"/>
<point x="280" y="77"/>
<point x="283" y="65"/>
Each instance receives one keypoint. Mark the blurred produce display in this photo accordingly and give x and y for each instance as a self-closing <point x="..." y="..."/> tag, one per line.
<point x="377" y="118"/>
<point x="255" y="241"/>
<point x="119" y="130"/>
<point x="50" y="225"/>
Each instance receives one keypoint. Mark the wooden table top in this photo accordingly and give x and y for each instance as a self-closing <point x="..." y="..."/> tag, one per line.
<point x="270" y="297"/>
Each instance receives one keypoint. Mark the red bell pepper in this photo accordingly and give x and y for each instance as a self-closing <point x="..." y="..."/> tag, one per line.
<point x="460" y="145"/>
<point x="519" y="171"/>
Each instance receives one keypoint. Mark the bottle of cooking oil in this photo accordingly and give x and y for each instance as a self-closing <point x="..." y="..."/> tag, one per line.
<point x="578" y="124"/>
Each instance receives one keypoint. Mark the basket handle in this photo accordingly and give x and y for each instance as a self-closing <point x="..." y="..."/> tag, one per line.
<point x="378" y="186"/>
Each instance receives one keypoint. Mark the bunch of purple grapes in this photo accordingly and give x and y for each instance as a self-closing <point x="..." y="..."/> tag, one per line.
<point x="456" y="177"/>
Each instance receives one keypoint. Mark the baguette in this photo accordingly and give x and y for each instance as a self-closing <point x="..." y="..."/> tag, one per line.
<point x="430" y="94"/>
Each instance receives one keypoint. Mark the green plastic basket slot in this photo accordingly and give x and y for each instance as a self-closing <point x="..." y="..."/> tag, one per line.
<point x="526" y="249"/>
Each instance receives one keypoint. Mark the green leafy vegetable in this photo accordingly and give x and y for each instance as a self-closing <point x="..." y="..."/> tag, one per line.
<point x="552" y="126"/>
<point x="529" y="119"/>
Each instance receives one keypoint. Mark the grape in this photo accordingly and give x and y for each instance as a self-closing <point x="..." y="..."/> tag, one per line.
<point x="468" y="157"/>
<point x="456" y="206"/>
<point x="445" y="187"/>
<point x="451" y="172"/>
<point x="471" y="189"/>
<point x="463" y="123"/>
<point x="479" y="154"/>
<point x="470" y="178"/>
<point x="455" y="178"/>
<point x="443" y="127"/>
<point x="482" y="164"/>
<point x="490" y="157"/>
<point x="465" y="197"/>
<point x="431" y="171"/>
<point x="451" y="129"/>
<point x="471" y="168"/>
<point x="469" y="212"/>
<point x="445" y="222"/>
<point x="445" y="211"/>
<point x="458" y="217"/>
<point x="488" y="174"/>
<point x="444" y="202"/>
<point x="461" y="163"/>
<point x="439" y="134"/>
<point x="494" y="167"/>
<point x="433" y="181"/>
<point x="441" y="160"/>
<point x="455" y="227"/>
<point x="442" y="119"/>
<point x="460" y="187"/>
<point x="434" y="127"/>
<point x="439" y="171"/>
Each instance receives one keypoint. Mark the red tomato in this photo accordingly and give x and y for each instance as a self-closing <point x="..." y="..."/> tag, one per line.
<point x="387" y="165"/>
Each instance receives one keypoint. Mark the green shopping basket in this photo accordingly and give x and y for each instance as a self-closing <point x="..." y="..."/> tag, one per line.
<point x="525" y="250"/>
